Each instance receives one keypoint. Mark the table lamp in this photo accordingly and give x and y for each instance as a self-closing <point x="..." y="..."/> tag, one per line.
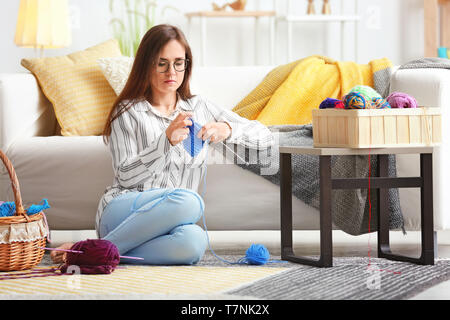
<point x="43" y="24"/>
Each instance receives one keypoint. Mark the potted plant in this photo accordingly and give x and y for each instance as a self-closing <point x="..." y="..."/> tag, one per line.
<point x="130" y="21"/>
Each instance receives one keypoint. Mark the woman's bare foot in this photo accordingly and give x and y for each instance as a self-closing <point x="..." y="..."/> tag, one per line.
<point x="60" y="256"/>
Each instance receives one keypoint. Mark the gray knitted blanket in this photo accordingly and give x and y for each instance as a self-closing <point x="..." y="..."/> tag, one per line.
<point x="350" y="208"/>
<point x="439" y="63"/>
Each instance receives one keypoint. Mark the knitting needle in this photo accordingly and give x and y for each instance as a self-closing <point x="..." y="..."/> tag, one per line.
<point x="128" y="257"/>
<point x="65" y="250"/>
<point x="209" y="141"/>
<point x="234" y="153"/>
<point x="76" y="251"/>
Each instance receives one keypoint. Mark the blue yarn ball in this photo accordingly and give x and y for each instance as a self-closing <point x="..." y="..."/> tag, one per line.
<point x="380" y="103"/>
<point x="8" y="209"/>
<point x="257" y="254"/>
<point x="355" y="100"/>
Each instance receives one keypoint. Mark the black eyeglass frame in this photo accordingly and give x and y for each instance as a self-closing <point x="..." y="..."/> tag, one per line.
<point x="186" y="63"/>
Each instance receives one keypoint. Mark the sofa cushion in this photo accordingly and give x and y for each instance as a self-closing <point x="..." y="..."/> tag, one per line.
<point x="116" y="71"/>
<point x="73" y="174"/>
<point x="226" y="86"/>
<point x="76" y="87"/>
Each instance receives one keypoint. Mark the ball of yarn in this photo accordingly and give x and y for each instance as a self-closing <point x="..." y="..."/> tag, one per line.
<point x="368" y="92"/>
<point x="257" y="254"/>
<point x="8" y="209"/>
<point x="401" y="100"/>
<point x="380" y="103"/>
<point x="355" y="100"/>
<point x="330" y="103"/>
<point x="99" y="257"/>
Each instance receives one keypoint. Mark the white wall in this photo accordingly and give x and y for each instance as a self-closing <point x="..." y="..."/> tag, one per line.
<point x="388" y="28"/>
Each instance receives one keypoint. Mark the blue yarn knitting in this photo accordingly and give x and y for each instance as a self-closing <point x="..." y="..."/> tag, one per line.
<point x="192" y="144"/>
<point x="256" y="254"/>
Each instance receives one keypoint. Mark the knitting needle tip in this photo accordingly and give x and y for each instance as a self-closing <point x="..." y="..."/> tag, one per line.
<point x="65" y="250"/>
<point x="128" y="257"/>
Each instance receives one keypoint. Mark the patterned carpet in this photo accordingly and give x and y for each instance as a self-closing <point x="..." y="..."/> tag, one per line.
<point x="202" y="279"/>
<point x="349" y="279"/>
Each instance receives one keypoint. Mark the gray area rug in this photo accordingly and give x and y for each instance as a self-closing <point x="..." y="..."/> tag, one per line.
<point x="350" y="278"/>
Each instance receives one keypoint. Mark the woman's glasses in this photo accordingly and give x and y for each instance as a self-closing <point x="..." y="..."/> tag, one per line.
<point x="179" y="65"/>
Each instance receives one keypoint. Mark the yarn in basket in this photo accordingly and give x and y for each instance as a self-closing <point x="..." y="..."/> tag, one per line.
<point x="368" y="92"/>
<point x="330" y="103"/>
<point x="401" y="100"/>
<point x="380" y="103"/>
<point x="8" y="209"/>
<point x="355" y="100"/>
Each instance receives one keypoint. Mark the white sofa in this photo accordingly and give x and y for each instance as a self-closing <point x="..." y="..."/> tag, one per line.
<point x="72" y="172"/>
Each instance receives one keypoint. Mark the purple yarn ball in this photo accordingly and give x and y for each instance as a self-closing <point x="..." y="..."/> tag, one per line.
<point x="99" y="257"/>
<point x="401" y="100"/>
<point x="330" y="103"/>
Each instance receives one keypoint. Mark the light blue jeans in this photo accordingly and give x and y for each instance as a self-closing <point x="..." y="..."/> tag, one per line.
<point x="157" y="225"/>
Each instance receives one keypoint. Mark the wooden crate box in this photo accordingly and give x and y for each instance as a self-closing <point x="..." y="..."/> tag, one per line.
<point x="376" y="128"/>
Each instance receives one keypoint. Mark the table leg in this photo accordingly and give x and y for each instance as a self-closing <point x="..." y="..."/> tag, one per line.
<point x="286" y="205"/>
<point x="342" y="46"/>
<point x="326" y="247"/>
<point x="203" y="41"/>
<point x="272" y="40"/>
<point x="428" y="236"/>
<point x="189" y="27"/>
<point x="426" y="194"/>
<point x="383" y="209"/>
<point x="257" y="28"/>
<point x="326" y="242"/>
<point x="356" y="29"/>
<point x="289" y="41"/>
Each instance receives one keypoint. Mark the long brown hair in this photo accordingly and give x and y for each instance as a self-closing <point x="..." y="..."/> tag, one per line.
<point x="138" y="84"/>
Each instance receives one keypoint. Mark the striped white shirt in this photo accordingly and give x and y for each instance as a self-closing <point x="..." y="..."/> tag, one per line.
<point x="143" y="158"/>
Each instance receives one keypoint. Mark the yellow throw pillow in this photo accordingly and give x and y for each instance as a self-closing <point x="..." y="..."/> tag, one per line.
<point x="77" y="88"/>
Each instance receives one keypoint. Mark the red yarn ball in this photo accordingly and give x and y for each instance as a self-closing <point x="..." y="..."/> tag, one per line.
<point x="99" y="257"/>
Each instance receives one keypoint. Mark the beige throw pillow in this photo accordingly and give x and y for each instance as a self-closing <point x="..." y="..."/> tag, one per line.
<point x="116" y="71"/>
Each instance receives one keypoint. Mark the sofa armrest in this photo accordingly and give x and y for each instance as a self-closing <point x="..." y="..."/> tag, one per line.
<point x="431" y="88"/>
<point x="24" y="110"/>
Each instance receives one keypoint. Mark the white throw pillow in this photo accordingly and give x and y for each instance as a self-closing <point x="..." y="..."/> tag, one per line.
<point x="116" y="71"/>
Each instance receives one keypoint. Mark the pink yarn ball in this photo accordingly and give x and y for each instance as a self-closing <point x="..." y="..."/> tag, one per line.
<point x="401" y="100"/>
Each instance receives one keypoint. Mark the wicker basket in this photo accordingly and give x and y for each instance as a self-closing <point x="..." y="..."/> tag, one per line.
<point x="20" y="255"/>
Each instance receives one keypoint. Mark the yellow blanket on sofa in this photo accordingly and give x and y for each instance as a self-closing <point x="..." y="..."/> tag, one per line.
<point x="289" y="92"/>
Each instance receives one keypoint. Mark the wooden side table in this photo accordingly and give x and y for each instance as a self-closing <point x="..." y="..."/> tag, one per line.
<point x="203" y="15"/>
<point x="382" y="183"/>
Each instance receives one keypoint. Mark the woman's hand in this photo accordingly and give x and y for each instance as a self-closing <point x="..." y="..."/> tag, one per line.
<point x="60" y="256"/>
<point x="217" y="131"/>
<point x="176" y="131"/>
